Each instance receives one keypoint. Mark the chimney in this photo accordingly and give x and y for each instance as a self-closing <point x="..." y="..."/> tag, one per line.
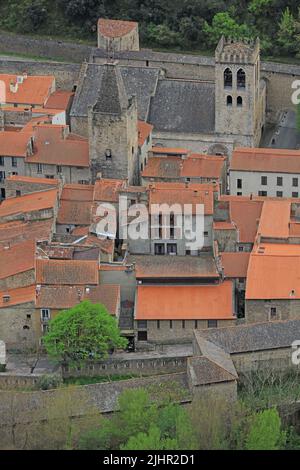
<point x="25" y="75"/>
<point x="13" y="86"/>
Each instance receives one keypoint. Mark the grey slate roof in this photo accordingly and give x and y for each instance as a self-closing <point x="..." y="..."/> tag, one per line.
<point x="203" y="371"/>
<point x="139" y="81"/>
<point x="112" y="97"/>
<point x="183" y="106"/>
<point x="253" y="337"/>
<point x="217" y="355"/>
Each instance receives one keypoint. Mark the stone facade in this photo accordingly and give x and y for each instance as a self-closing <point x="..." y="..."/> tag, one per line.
<point x="250" y="182"/>
<point x="17" y="327"/>
<point x="124" y="42"/>
<point x="277" y="309"/>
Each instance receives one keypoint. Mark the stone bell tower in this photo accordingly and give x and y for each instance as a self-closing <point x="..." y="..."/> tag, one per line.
<point x="112" y="128"/>
<point x="240" y="96"/>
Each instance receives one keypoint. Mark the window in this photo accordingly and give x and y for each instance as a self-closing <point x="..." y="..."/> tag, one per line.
<point x="158" y="324"/>
<point x="108" y="154"/>
<point x="45" y="314"/>
<point x="142" y="167"/>
<point x="239" y="101"/>
<point x="183" y="324"/>
<point x="142" y="336"/>
<point x="279" y="180"/>
<point x="39" y="168"/>
<point x="2" y="175"/>
<point x="241" y="248"/>
<point x="239" y="193"/>
<point x="1" y="161"/>
<point x="205" y="234"/>
<point x="212" y="323"/>
<point x="172" y="249"/>
<point x="142" y="324"/>
<point x="159" y="249"/>
<point x="187" y="252"/>
<point x="14" y="161"/>
<point x="241" y="78"/>
<point x="196" y="324"/>
<point x="227" y="78"/>
<point x="295" y="181"/>
<point x="264" y="180"/>
<point x="83" y="182"/>
<point x="229" y="100"/>
<point x="273" y="312"/>
<point x="239" y="183"/>
<point x="279" y="193"/>
<point x="262" y="193"/>
<point x="58" y="169"/>
<point x="171" y="324"/>
<point x="49" y="177"/>
<point x="18" y="193"/>
<point x="294" y="194"/>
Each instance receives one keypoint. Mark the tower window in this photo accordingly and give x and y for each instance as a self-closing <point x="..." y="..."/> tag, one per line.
<point x="229" y="100"/>
<point x="239" y="101"/>
<point x="108" y="154"/>
<point x="241" y="78"/>
<point x="227" y="78"/>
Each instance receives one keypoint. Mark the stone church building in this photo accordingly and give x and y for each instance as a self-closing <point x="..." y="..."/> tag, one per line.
<point x="204" y="115"/>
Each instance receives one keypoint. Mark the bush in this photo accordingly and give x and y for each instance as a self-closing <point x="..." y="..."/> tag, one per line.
<point x="48" y="382"/>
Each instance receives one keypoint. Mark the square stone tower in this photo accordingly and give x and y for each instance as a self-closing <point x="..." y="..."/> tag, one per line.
<point x="112" y="128"/>
<point x="239" y="110"/>
<point x="118" y="35"/>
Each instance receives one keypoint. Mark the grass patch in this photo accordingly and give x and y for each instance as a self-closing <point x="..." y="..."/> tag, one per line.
<point x="99" y="379"/>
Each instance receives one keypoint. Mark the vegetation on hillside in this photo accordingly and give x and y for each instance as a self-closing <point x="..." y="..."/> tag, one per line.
<point x="174" y="24"/>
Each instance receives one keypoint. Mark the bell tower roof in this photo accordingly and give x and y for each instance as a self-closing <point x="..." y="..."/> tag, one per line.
<point x="112" y="97"/>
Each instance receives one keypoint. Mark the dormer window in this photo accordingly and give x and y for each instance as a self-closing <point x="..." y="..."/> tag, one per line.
<point x="108" y="154"/>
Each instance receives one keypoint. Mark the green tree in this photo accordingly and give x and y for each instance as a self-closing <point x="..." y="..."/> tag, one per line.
<point x="224" y="24"/>
<point x="150" y="441"/>
<point x="86" y="331"/>
<point x="265" y="431"/>
<point x="286" y="37"/>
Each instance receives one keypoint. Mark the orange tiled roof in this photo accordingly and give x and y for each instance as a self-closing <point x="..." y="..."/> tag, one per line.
<point x="60" y="99"/>
<point x="170" y="151"/>
<point x="220" y="225"/>
<point x="274" y="272"/>
<point x="14" y="144"/>
<point x="34" y="89"/>
<point x="62" y="297"/>
<point x="17" y="259"/>
<point x="245" y="213"/>
<point x="275" y="218"/>
<point x="266" y="159"/>
<point x="235" y="264"/>
<point x="75" y="204"/>
<point x="144" y="130"/>
<point x="107" y="190"/>
<point x="115" y="28"/>
<point x="32" y="179"/>
<point x="18" y="231"/>
<point x="66" y="272"/>
<point x="22" y="295"/>
<point x="202" y="302"/>
<point x="180" y="193"/>
<point x="51" y="147"/>
<point x="194" y="165"/>
<point x="29" y="202"/>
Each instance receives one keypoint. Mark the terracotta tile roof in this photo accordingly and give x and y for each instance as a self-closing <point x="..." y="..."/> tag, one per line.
<point x="275" y="218"/>
<point x="75" y="204"/>
<point x="115" y="28"/>
<point x="107" y="190"/>
<point x="66" y="272"/>
<point x="219" y="225"/>
<point x="22" y="295"/>
<point x="274" y="272"/>
<point x="180" y="193"/>
<point x="202" y="302"/>
<point x="29" y="202"/>
<point x="245" y="214"/>
<point x="194" y="165"/>
<point x="170" y="151"/>
<point x="14" y="144"/>
<point x="144" y="130"/>
<point x="31" y="179"/>
<point x="294" y="229"/>
<point x="148" y="266"/>
<point x="235" y="264"/>
<point x="18" y="231"/>
<point x="51" y="147"/>
<point x="112" y="267"/>
<point x="106" y="245"/>
<point x="63" y="297"/>
<point x="266" y="160"/>
<point x="60" y="99"/>
<point x="34" y="89"/>
<point x="17" y="259"/>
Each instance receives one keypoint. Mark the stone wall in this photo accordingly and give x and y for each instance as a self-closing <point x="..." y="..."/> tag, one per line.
<point x="123" y="366"/>
<point x="279" y="358"/>
<point x="25" y="187"/>
<point x="66" y="74"/>
<point x="17" y="326"/>
<point x="260" y="310"/>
